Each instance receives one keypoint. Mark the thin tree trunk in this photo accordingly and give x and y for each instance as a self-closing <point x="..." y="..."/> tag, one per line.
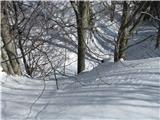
<point x="112" y="11"/>
<point x="158" y="38"/>
<point x="27" y="68"/>
<point x="82" y="17"/>
<point x="122" y="38"/>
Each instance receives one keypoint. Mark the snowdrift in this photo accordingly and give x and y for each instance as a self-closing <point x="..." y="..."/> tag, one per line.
<point x="127" y="90"/>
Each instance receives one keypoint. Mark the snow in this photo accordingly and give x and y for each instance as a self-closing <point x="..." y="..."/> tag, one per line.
<point x="121" y="59"/>
<point x="128" y="90"/>
<point x="145" y="49"/>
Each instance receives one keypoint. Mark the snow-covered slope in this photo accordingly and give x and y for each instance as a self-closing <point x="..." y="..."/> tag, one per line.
<point x="128" y="90"/>
<point x="145" y="49"/>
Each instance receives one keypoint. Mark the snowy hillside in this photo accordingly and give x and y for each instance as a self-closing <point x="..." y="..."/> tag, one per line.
<point x="128" y="90"/>
<point x="141" y="46"/>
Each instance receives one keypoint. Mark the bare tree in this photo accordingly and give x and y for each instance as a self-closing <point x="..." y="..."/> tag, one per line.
<point x="128" y="23"/>
<point x="9" y="54"/>
<point x="81" y="9"/>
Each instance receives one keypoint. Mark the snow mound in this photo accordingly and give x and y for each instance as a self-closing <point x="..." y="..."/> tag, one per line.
<point x="127" y="90"/>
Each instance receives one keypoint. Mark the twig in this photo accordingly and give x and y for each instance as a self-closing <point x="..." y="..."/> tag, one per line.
<point x="137" y="42"/>
<point x="31" y="107"/>
<point x="151" y="16"/>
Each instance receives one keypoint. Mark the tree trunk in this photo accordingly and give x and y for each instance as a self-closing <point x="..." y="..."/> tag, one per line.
<point x="112" y="10"/>
<point x="122" y="38"/>
<point x="126" y="28"/>
<point x="11" y="64"/>
<point x="82" y="16"/>
<point x="158" y="38"/>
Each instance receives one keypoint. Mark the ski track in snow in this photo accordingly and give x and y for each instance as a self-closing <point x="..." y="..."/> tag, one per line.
<point x="112" y="91"/>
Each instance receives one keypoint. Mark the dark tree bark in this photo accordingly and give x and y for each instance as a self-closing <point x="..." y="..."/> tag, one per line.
<point x="112" y="11"/>
<point x="82" y="16"/>
<point x="158" y="38"/>
<point x="155" y="11"/>
<point x="122" y="35"/>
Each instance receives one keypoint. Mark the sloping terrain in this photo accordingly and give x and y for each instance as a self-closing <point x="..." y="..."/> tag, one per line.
<point x="127" y="90"/>
<point x="141" y="45"/>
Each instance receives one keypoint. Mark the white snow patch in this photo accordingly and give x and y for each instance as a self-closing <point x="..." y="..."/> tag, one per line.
<point x="121" y="59"/>
<point x="111" y="91"/>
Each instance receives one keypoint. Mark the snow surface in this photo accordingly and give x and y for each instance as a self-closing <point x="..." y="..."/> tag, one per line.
<point x="127" y="90"/>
